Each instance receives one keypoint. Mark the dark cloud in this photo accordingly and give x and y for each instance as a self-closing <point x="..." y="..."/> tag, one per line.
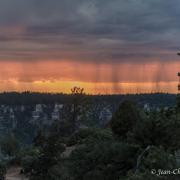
<point x="93" y="30"/>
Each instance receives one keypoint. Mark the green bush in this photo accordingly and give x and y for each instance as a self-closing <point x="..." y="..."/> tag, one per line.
<point x="157" y="129"/>
<point x="124" y="119"/>
<point x="28" y="158"/>
<point x="103" y="160"/>
<point x="9" y="145"/>
<point x="90" y="136"/>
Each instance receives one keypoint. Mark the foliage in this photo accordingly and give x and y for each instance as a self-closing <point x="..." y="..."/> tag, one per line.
<point x="156" y="160"/>
<point x="104" y="154"/>
<point x="103" y="160"/>
<point x="28" y="157"/>
<point x="158" y="128"/>
<point x="47" y="155"/>
<point x="9" y="145"/>
<point x="39" y="139"/>
<point x="178" y="101"/>
<point x="85" y="136"/>
<point x="143" y="176"/>
<point x="2" y="171"/>
<point x="32" y="98"/>
<point x="61" y="128"/>
<point x="124" y="119"/>
<point x="78" y="105"/>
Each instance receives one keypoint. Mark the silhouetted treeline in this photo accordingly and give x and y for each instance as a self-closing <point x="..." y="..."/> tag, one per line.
<point x="30" y="98"/>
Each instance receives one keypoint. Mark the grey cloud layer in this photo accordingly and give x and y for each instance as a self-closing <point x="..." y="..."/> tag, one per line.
<point x="97" y="30"/>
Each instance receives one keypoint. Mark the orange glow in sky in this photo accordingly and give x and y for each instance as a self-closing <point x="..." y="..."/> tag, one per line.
<point x="104" y="78"/>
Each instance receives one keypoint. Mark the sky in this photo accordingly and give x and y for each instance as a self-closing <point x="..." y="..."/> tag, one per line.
<point x="107" y="47"/>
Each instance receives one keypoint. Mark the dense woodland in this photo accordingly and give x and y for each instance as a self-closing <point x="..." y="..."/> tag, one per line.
<point x="128" y="147"/>
<point x="29" y="98"/>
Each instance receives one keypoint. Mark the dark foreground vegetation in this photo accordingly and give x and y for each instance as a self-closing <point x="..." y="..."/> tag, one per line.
<point x="134" y="145"/>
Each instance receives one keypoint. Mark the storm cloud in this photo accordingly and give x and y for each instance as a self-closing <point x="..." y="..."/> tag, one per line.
<point x="89" y="30"/>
